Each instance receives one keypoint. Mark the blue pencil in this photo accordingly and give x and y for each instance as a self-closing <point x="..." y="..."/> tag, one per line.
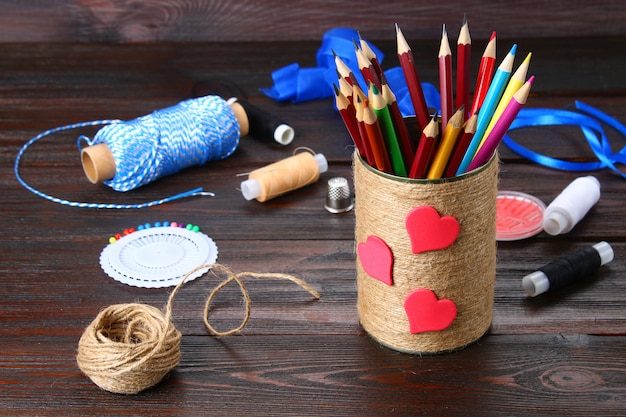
<point x="496" y="88"/>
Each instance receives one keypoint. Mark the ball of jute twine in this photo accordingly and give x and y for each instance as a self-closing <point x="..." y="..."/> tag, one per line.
<point x="128" y="348"/>
<point x="464" y="272"/>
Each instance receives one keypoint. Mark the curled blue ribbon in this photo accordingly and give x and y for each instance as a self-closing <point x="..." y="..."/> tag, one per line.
<point x="296" y="84"/>
<point x="590" y="125"/>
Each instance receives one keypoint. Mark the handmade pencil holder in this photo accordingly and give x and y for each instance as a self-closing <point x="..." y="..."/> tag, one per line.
<point x="426" y="257"/>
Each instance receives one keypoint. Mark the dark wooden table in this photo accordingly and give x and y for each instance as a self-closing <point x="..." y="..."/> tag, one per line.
<point x="559" y="354"/>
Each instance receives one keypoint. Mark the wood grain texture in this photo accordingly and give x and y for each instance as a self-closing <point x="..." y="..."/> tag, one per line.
<point x="271" y="20"/>
<point x="558" y="354"/>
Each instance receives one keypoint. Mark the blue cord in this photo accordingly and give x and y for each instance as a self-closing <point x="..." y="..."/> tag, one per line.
<point x="193" y="132"/>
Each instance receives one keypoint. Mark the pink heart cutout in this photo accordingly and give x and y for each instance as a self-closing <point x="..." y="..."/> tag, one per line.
<point x="426" y="313"/>
<point x="429" y="231"/>
<point x="376" y="259"/>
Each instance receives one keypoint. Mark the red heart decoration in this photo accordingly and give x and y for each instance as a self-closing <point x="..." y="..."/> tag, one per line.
<point x="376" y="259"/>
<point x="426" y="313"/>
<point x="429" y="231"/>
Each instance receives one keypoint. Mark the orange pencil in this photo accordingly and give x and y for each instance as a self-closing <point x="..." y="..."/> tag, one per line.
<point x="367" y="153"/>
<point x="403" y="132"/>
<point x="405" y="56"/>
<point x="425" y="149"/>
<point x="448" y="141"/>
<point x="377" y="141"/>
<point x="445" y="79"/>
<point x="485" y="73"/>
<point x="463" y="67"/>
<point x="469" y="128"/>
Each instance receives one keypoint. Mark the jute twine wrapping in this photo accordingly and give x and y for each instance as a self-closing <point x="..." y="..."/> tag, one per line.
<point x="463" y="272"/>
<point x="130" y="347"/>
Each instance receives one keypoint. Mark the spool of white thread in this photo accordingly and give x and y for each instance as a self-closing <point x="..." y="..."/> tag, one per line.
<point x="571" y="205"/>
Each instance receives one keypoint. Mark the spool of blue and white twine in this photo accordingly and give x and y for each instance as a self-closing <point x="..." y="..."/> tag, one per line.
<point x="193" y="132"/>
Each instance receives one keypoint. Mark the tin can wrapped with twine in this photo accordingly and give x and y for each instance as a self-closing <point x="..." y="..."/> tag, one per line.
<point x="426" y="257"/>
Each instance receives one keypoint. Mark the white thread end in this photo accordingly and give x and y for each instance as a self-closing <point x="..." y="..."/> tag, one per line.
<point x="250" y="189"/>
<point x="606" y="252"/>
<point x="535" y="283"/>
<point x="284" y="134"/>
<point x="322" y="163"/>
<point x="556" y="223"/>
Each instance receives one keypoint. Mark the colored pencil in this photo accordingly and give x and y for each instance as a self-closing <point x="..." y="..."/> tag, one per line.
<point x="469" y="128"/>
<point x="379" y="105"/>
<point x="425" y="148"/>
<point x="401" y="129"/>
<point x="515" y="83"/>
<point x="368" y="153"/>
<point x="463" y="67"/>
<point x="502" y="125"/>
<point x="344" y="70"/>
<point x="449" y="139"/>
<point x="366" y="68"/>
<point x="498" y="84"/>
<point x="409" y="69"/>
<point x="445" y="79"/>
<point x="371" y="56"/>
<point x="345" y="87"/>
<point x="348" y="114"/>
<point x="485" y="73"/>
<point x="375" y="135"/>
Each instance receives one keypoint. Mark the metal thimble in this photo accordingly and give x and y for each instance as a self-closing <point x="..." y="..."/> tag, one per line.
<point x="338" y="198"/>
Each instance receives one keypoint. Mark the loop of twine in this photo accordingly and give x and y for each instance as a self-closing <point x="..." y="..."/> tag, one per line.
<point x="128" y="348"/>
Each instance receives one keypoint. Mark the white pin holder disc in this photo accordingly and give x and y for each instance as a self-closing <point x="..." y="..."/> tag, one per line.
<point x="158" y="257"/>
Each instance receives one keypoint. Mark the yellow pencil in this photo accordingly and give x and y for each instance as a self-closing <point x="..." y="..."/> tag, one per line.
<point x="452" y="133"/>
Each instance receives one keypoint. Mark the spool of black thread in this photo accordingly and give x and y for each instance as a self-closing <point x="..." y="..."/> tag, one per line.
<point x="572" y="267"/>
<point x="266" y="125"/>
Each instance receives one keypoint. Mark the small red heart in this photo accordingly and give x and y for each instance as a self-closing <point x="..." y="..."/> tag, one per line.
<point x="376" y="259"/>
<point x="426" y="313"/>
<point x="429" y="231"/>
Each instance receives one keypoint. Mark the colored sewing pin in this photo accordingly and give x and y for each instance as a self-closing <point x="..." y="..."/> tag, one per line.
<point x="564" y="271"/>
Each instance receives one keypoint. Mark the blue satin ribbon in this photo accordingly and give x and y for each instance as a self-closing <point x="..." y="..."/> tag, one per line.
<point x="295" y="84"/>
<point x="590" y="125"/>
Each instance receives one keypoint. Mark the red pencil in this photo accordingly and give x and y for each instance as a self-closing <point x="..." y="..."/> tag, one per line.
<point x="463" y="67"/>
<point x="445" y="79"/>
<point x="425" y="149"/>
<point x="348" y="115"/>
<point x="344" y="70"/>
<point x="366" y="68"/>
<point x="469" y="128"/>
<point x="405" y="56"/>
<point x="346" y="88"/>
<point x="377" y="141"/>
<point x="371" y="56"/>
<point x="485" y="73"/>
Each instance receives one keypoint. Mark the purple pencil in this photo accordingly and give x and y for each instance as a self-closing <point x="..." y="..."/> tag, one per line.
<point x="502" y="125"/>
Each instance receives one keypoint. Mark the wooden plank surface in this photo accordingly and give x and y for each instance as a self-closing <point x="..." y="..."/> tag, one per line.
<point x="561" y="353"/>
<point x="269" y="20"/>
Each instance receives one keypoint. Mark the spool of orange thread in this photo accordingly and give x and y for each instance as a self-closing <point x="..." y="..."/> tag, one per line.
<point x="283" y="176"/>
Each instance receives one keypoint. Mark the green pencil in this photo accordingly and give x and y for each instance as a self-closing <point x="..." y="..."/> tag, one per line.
<point x="379" y="104"/>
